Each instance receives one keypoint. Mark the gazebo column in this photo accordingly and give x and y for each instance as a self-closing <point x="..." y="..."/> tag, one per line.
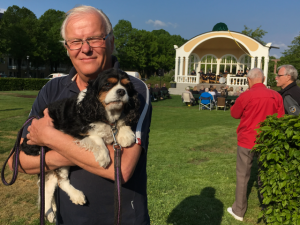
<point x="259" y="62"/>
<point x="266" y="66"/>
<point x="252" y="62"/>
<point x="176" y="68"/>
<point x="186" y="66"/>
<point x="218" y="66"/>
<point x="181" y="66"/>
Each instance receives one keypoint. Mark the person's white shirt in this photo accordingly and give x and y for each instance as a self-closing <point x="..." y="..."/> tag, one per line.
<point x="222" y="80"/>
<point x="212" y="93"/>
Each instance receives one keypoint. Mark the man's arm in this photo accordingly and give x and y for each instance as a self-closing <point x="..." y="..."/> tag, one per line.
<point x="67" y="153"/>
<point x="237" y="109"/>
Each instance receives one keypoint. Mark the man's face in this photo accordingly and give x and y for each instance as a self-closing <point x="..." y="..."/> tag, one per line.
<point x="282" y="81"/>
<point x="89" y="62"/>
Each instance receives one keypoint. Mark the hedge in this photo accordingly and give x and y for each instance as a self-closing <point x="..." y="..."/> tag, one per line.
<point x="17" y="84"/>
<point x="278" y="144"/>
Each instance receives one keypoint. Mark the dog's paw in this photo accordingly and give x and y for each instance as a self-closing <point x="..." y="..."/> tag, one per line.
<point x="103" y="159"/>
<point x="77" y="197"/>
<point x="51" y="217"/>
<point x="125" y="137"/>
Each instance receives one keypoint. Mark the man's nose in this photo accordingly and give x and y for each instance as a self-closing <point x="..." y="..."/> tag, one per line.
<point x="85" y="47"/>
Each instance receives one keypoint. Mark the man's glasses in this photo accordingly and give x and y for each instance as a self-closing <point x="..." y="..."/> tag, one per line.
<point x="93" y="42"/>
<point x="279" y="75"/>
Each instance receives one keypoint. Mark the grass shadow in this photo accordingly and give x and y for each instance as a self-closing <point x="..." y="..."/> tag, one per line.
<point x="10" y="109"/>
<point x="198" y="209"/>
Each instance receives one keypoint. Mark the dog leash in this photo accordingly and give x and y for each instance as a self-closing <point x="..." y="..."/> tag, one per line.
<point x="117" y="166"/>
<point x="16" y="150"/>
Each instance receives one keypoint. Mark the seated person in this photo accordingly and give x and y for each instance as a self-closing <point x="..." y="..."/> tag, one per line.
<point x="213" y="93"/>
<point x="218" y="79"/>
<point x="222" y="80"/>
<point x="215" y="89"/>
<point x="195" y="90"/>
<point x="245" y="74"/>
<point x="163" y="88"/>
<point x="200" y="73"/>
<point x="187" y="90"/>
<point x="230" y="92"/>
<point x="193" y="72"/>
<point x="239" y="74"/>
<point x="156" y="92"/>
<point x="150" y="91"/>
<point x="201" y="89"/>
<point x="225" y="74"/>
<point x="206" y="95"/>
<point x="237" y="91"/>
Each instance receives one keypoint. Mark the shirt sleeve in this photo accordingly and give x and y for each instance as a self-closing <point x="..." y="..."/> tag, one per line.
<point x="237" y="109"/>
<point x="39" y="104"/>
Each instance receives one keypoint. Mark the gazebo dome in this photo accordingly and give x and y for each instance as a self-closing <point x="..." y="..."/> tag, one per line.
<point x="220" y="27"/>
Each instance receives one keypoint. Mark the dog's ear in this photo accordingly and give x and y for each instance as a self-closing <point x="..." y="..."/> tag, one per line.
<point x="90" y="106"/>
<point x="132" y="110"/>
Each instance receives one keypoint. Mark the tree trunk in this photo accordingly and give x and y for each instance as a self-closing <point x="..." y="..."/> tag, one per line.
<point x="19" y="68"/>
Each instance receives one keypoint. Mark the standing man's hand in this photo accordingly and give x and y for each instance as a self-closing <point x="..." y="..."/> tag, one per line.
<point x="40" y="130"/>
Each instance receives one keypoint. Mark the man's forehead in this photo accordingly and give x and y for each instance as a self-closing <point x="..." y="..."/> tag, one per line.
<point x="78" y="24"/>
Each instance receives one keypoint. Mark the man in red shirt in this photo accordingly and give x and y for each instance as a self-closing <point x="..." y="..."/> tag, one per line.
<point x="252" y="107"/>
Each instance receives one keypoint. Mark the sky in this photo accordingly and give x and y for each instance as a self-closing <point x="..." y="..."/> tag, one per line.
<point x="191" y="18"/>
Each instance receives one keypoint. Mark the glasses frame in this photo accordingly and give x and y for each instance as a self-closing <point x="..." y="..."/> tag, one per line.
<point x="280" y="75"/>
<point x="87" y="41"/>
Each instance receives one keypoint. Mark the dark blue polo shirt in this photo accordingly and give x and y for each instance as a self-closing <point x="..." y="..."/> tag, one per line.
<point x="99" y="191"/>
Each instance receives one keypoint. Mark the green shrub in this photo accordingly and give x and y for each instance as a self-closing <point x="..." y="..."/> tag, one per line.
<point x="17" y="84"/>
<point x="271" y="80"/>
<point x="279" y="165"/>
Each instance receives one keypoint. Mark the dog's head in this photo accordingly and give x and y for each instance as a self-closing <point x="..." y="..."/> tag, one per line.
<point x="110" y="95"/>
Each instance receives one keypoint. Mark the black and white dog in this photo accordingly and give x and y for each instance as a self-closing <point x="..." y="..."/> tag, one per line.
<point x="109" y="99"/>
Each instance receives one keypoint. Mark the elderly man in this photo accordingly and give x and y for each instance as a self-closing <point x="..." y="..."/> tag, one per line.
<point x="90" y="27"/>
<point x="290" y="92"/>
<point x="251" y="107"/>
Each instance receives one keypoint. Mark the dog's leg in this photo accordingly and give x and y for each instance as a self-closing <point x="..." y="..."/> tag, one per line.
<point x="76" y="196"/>
<point x="96" y="145"/>
<point x="125" y="136"/>
<point x="50" y="185"/>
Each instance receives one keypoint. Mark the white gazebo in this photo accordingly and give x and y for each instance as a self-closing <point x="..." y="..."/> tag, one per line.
<point x="219" y="51"/>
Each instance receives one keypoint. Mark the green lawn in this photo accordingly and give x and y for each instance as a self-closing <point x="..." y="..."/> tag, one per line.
<point x="191" y="165"/>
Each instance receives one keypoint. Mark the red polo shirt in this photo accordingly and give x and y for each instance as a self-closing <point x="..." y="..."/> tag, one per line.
<point x="252" y="107"/>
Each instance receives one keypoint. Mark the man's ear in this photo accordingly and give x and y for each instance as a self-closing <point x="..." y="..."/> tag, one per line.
<point x="264" y="79"/>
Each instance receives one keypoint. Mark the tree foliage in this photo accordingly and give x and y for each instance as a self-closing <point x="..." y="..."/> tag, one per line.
<point x="292" y="54"/>
<point x="257" y="34"/>
<point x="145" y="51"/>
<point x="18" y="33"/>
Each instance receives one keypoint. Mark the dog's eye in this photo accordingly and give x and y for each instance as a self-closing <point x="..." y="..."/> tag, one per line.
<point x="107" y="84"/>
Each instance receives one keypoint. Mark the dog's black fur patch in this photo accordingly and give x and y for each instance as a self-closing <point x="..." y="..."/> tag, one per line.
<point x="75" y="119"/>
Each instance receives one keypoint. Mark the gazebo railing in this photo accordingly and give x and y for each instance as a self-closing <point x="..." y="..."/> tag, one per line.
<point x="187" y="79"/>
<point x="242" y="81"/>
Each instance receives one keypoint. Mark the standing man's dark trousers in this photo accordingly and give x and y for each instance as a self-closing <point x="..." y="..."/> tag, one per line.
<point x="243" y="170"/>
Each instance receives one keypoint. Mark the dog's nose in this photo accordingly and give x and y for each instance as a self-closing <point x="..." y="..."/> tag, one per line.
<point x="121" y="92"/>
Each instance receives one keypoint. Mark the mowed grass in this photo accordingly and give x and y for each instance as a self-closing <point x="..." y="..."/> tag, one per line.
<point x="191" y="165"/>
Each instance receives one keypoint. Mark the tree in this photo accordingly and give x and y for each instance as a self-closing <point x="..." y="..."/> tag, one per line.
<point x="122" y="31"/>
<point x="292" y="54"/>
<point x="50" y="47"/>
<point x="18" y="29"/>
<point x="257" y="34"/>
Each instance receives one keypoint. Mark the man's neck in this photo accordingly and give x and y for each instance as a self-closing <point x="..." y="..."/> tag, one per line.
<point x="287" y="84"/>
<point x="81" y="84"/>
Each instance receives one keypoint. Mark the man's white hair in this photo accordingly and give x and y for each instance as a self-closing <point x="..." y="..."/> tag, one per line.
<point x="289" y="70"/>
<point x="206" y="89"/>
<point x="81" y="10"/>
<point x="256" y="73"/>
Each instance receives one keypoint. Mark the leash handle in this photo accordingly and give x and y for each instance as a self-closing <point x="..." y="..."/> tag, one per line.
<point x="16" y="152"/>
<point x="42" y="186"/>
<point x="117" y="168"/>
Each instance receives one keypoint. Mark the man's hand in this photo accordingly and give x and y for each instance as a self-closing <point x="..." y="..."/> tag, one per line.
<point x="39" y="130"/>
